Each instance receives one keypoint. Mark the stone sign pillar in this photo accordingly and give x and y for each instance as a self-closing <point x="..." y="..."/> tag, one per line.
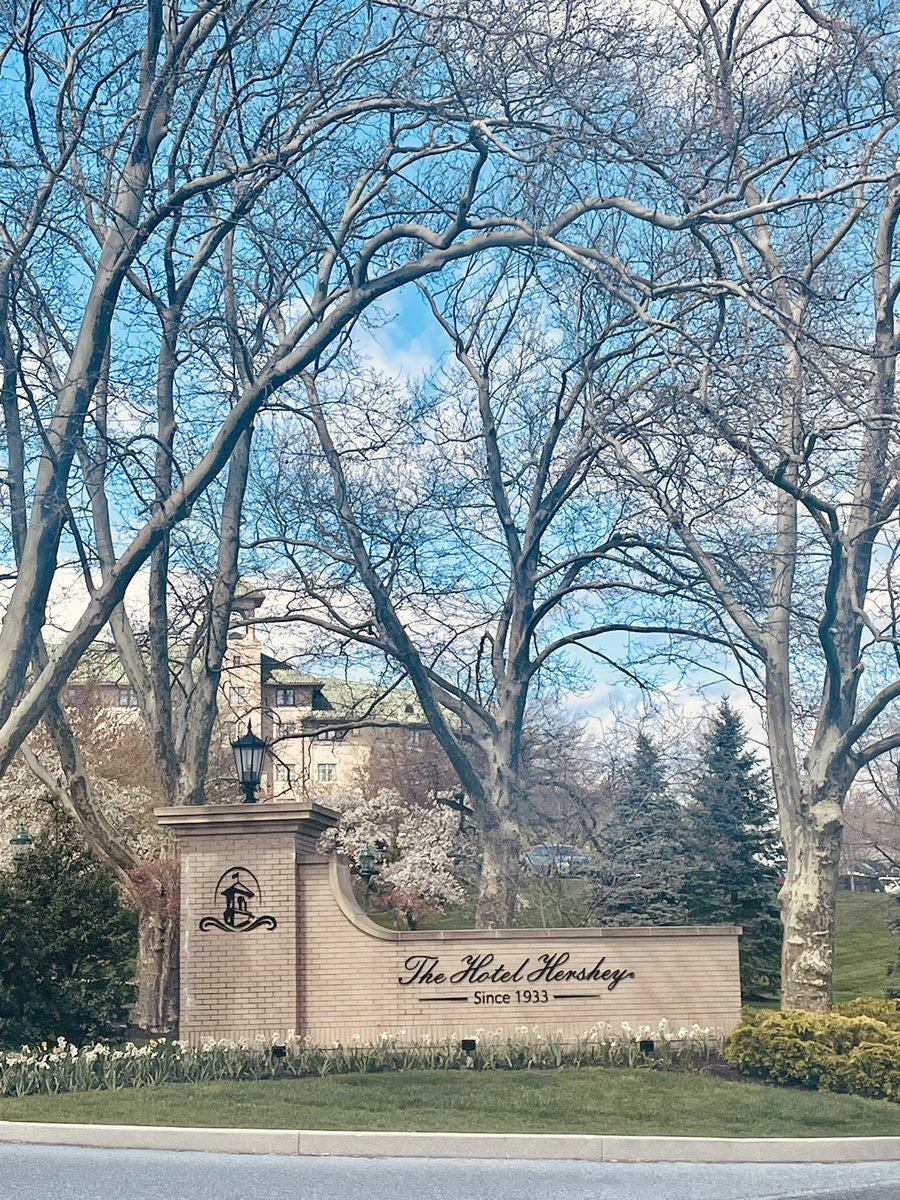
<point x="240" y="924"/>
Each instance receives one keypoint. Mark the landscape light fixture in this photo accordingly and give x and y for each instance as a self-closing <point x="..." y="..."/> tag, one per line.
<point x="250" y="758"/>
<point x="367" y="870"/>
<point x="21" y="842"/>
<point x="468" y="1047"/>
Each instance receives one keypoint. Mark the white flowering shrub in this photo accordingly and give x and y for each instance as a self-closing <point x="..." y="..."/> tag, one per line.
<point x="417" y="846"/>
<point x="123" y="782"/>
<point x="62" y="1067"/>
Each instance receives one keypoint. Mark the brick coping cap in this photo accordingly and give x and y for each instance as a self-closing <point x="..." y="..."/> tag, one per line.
<point x="297" y="815"/>
<point x="342" y="892"/>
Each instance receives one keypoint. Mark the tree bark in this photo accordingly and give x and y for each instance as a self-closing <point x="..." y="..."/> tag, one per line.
<point x="501" y="869"/>
<point x="808" y="908"/>
<point x="155" y="893"/>
<point x="156" y="1006"/>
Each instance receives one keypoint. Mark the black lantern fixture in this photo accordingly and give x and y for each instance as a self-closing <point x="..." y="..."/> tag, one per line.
<point x="21" y="842"/>
<point x="367" y="870"/>
<point x="250" y="759"/>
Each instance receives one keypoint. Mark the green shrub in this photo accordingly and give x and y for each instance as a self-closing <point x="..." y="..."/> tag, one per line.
<point x="66" y="946"/>
<point x="847" y="1050"/>
<point x="887" y="1011"/>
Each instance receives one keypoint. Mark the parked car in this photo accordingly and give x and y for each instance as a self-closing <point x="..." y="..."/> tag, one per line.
<point x="554" y="858"/>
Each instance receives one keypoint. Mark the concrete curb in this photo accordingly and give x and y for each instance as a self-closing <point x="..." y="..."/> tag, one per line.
<point x="341" y="1143"/>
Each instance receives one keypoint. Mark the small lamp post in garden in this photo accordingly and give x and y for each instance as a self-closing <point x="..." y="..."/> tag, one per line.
<point x="21" y="842"/>
<point x="367" y="872"/>
<point x="250" y="759"/>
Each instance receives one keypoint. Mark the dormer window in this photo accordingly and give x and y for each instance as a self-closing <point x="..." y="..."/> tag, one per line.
<point x="285" y="698"/>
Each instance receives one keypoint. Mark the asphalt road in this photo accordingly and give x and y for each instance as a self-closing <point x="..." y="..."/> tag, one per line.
<point x="64" y="1173"/>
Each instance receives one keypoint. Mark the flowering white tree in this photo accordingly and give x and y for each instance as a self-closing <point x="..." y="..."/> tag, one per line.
<point x="418" y="845"/>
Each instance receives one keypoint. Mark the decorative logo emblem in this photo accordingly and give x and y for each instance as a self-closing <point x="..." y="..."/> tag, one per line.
<point x="235" y="891"/>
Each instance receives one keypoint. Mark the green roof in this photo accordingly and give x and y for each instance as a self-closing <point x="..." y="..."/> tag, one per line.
<point x="283" y="674"/>
<point x="100" y="663"/>
<point x="352" y="701"/>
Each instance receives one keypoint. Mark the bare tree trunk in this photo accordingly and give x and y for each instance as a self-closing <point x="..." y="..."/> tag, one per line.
<point x="156" y="1006"/>
<point x="155" y="892"/>
<point x="808" y="909"/>
<point x="501" y="870"/>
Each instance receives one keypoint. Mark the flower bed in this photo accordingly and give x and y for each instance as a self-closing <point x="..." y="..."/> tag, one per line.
<point x="67" y="1068"/>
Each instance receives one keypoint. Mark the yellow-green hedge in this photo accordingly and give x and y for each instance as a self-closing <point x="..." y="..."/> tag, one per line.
<point x="855" y="1048"/>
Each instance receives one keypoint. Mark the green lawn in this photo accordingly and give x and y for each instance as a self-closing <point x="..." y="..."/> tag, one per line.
<point x="588" y="1100"/>
<point x="865" y="945"/>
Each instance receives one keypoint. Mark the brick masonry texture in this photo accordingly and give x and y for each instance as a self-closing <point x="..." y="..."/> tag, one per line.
<point x="328" y="972"/>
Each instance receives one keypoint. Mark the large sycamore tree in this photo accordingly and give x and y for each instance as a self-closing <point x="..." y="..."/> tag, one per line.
<point x="451" y="529"/>
<point x="769" y="457"/>
<point x="754" y="469"/>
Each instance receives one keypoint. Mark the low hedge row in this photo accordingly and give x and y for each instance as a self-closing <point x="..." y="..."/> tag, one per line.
<point x="854" y="1049"/>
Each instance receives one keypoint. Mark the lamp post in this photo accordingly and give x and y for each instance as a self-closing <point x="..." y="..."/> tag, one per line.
<point x="250" y="759"/>
<point x="21" y="842"/>
<point x="367" y="872"/>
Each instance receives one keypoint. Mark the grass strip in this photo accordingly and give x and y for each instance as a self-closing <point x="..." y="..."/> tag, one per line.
<point x="864" y="945"/>
<point x="589" y="1100"/>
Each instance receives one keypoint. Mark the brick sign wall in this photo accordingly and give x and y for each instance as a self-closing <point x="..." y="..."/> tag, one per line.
<point x="273" y="940"/>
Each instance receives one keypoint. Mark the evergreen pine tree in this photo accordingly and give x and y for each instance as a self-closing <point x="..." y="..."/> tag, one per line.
<point x="641" y="864"/>
<point x="67" y="945"/>
<point x="737" y="851"/>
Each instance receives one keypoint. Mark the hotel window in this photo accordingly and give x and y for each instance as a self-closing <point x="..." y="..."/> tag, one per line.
<point x="326" y="735"/>
<point x="237" y="695"/>
<point x="236" y="661"/>
<point x="326" y="772"/>
<point x="288" y="727"/>
<point x="127" y="697"/>
<point x="284" y="698"/>
<point x="282" y="774"/>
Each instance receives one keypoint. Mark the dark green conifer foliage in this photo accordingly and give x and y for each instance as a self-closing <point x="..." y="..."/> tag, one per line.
<point x="67" y="946"/>
<point x="736" y="851"/>
<point x="641" y="865"/>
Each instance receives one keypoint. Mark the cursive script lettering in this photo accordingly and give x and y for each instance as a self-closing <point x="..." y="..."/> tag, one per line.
<point x="421" y="969"/>
<point x="478" y="970"/>
<point x="483" y="968"/>
<point x="553" y="971"/>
